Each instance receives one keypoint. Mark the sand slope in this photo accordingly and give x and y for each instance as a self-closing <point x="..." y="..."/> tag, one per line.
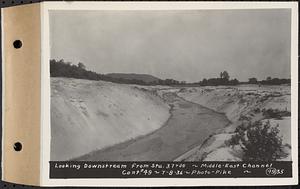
<point x="91" y="115"/>
<point x="240" y="100"/>
<point x="239" y="103"/>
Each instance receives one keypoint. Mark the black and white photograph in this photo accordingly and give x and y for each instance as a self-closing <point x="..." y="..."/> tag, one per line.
<point x="170" y="85"/>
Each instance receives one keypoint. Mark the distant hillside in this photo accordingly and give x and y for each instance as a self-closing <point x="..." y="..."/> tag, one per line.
<point x="132" y="76"/>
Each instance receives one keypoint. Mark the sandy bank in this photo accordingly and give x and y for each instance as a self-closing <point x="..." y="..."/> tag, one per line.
<point x="240" y="104"/>
<point x="89" y="115"/>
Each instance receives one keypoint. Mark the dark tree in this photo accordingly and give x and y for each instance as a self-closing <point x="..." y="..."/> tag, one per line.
<point x="224" y="75"/>
<point x="234" y="82"/>
<point x="252" y="80"/>
<point x="81" y="66"/>
<point x="203" y="82"/>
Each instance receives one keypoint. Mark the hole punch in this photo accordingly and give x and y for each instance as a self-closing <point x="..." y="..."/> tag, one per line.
<point x="17" y="44"/>
<point x="18" y="146"/>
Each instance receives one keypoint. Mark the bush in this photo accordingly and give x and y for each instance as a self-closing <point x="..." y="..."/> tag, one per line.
<point x="262" y="142"/>
<point x="235" y="140"/>
<point x="237" y="137"/>
<point x="259" y="142"/>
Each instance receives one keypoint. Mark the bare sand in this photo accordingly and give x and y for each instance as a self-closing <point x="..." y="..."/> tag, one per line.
<point x="91" y="115"/>
<point x="189" y="125"/>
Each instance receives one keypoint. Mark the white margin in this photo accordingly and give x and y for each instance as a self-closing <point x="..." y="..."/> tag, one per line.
<point x="45" y="93"/>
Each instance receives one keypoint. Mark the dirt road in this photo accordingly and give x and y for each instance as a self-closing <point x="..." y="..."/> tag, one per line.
<point x="188" y="126"/>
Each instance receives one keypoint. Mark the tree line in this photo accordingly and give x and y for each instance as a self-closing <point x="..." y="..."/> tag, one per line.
<point x="66" y="69"/>
<point x="224" y="79"/>
<point x="60" y="68"/>
<point x="269" y="81"/>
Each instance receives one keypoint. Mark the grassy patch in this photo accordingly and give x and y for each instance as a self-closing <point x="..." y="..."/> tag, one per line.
<point x="275" y="113"/>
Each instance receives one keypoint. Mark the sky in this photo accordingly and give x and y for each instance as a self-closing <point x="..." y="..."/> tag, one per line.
<point x="186" y="45"/>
